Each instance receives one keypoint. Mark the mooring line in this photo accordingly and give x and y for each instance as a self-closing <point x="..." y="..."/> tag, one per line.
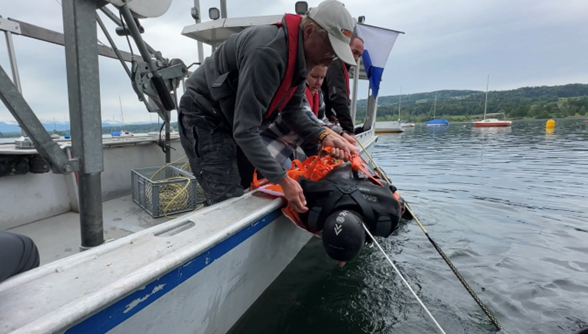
<point x="404" y="281"/>
<point x="439" y="250"/>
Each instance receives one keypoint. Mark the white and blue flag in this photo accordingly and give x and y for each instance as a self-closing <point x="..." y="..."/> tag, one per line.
<point x="378" y="43"/>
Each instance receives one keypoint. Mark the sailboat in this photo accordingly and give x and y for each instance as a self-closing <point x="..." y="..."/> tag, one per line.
<point x="390" y="126"/>
<point x="404" y="125"/>
<point x="490" y="122"/>
<point x="435" y="121"/>
<point x="123" y="132"/>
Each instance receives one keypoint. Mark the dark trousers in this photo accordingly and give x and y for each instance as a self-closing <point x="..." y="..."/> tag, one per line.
<point x="18" y="253"/>
<point x="212" y="153"/>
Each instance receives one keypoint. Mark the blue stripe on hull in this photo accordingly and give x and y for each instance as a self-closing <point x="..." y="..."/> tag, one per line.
<point x="120" y="311"/>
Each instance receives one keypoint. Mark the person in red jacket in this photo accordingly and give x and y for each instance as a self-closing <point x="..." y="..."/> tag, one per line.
<point x="336" y="89"/>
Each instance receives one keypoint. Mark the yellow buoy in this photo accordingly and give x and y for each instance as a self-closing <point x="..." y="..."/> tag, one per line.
<point x="550" y="124"/>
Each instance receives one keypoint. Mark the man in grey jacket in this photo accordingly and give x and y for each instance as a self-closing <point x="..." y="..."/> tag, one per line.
<point x="233" y="93"/>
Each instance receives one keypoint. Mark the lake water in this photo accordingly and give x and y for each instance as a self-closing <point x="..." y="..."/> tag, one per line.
<point x="508" y="206"/>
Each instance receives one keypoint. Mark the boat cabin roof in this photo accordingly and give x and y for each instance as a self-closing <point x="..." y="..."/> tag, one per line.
<point x="216" y="32"/>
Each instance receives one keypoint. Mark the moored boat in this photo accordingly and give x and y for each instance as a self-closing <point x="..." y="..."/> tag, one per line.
<point x="389" y="127"/>
<point x="490" y="122"/>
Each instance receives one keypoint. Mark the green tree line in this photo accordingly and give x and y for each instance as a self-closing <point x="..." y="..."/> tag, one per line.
<point x="465" y="105"/>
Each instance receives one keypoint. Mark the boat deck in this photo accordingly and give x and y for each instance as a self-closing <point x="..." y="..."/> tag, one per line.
<point x="59" y="236"/>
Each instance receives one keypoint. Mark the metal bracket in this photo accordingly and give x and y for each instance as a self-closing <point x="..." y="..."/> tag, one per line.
<point x="171" y="73"/>
<point x="9" y="26"/>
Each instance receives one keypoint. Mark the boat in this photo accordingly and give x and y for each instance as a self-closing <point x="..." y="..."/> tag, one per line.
<point x="391" y="126"/>
<point x="435" y="121"/>
<point x="490" y="122"/>
<point x="108" y="264"/>
<point x="388" y="127"/>
<point x="403" y="124"/>
<point x="122" y="133"/>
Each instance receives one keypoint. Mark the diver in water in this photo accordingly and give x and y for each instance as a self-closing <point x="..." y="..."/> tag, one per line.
<point x="343" y="199"/>
<point x="342" y="202"/>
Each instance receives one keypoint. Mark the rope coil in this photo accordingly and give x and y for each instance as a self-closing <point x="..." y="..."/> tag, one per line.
<point x="174" y="193"/>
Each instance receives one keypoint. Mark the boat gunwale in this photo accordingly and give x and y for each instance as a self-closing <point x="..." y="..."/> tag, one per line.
<point x="79" y="308"/>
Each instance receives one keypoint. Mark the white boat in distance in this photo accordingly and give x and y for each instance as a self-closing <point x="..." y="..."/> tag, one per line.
<point x="490" y="122"/>
<point x="391" y="126"/>
<point x="131" y="272"/>
<point x="388" y="127"/>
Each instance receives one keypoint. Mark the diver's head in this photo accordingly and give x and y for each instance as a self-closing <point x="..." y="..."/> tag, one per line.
<point x="343" y="235"/>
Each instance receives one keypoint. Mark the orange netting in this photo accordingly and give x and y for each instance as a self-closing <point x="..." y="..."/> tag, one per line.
<point x="316" y="167"/>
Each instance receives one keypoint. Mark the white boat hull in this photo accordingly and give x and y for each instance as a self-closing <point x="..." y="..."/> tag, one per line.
<point x="209" y="293"/>
<point x="389" y="127"/>
<point x="492" y="122"/>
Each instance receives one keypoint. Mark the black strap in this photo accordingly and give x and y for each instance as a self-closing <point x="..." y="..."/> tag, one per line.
<point x="317" y="221"/>
<point x="313" y="215"/>
<point x="366" y="209"/>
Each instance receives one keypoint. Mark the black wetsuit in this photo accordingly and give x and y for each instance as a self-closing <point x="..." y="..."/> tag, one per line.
<point x="342" y="189"/>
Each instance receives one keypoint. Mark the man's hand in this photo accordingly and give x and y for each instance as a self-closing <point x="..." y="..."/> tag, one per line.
<point x="333" y="119"/>
<point x="334" y="140"/>
<point x="337" y="153"/>
<point x="293" y="192"/>
<point x="349" y="138"/>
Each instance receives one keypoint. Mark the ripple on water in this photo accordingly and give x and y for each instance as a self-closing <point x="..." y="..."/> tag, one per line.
<point x="508" y="206"/>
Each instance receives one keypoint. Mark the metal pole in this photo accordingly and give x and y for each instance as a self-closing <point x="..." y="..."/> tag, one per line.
<point x="156" y="79"/>
<point x="486" y="102"/>
<point x="118" y="22"/>
<point x="114" y="48"/>
<point x="81" y="56"/>
<point x="223" y="9"/>
<point x="145" y="53"/>
<point x="167" y="137"/>
<point x="354" y="92"/>
<point x="14" y="68"/>
<point x="198" y="20"/>
<point x="13" y="65"/>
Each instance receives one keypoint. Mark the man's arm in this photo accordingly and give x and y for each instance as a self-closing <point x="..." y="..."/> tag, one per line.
<point x="337" y="96"/>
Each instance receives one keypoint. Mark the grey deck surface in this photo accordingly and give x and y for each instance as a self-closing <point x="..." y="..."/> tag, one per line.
<point x="59" y="236"/>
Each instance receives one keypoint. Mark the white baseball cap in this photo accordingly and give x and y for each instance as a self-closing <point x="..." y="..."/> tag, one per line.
<point x="332" y="16"/>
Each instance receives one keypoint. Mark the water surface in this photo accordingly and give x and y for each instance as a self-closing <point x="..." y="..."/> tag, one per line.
<point x="509" y="206"/>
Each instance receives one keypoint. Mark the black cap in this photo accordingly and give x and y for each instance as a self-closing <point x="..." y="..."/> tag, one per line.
<point x="343" y="235"/>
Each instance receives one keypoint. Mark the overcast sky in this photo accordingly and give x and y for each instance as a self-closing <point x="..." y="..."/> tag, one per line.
<point x="449" y="44"/>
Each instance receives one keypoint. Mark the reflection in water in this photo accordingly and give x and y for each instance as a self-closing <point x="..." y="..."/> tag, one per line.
<point x="509" y="206"/>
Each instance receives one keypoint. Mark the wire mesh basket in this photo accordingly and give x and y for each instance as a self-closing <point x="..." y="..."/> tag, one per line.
<point x="164" y="191"/>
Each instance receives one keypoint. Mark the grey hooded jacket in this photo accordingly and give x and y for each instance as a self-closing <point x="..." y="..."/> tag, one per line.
<point x="238" y="82"/>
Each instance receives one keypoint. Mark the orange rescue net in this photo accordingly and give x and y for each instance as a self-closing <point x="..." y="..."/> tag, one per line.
<point x="313" y="168"/>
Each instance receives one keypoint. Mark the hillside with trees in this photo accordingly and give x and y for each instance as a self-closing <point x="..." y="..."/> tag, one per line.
<point x="466" y="105"/>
